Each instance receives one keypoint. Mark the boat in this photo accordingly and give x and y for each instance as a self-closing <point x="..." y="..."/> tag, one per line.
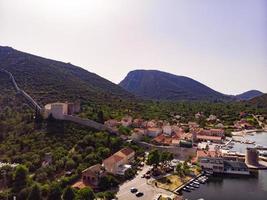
<point x="186" y="190"/>
<point x="191" y="188"/>
<point x="195" y="185"/>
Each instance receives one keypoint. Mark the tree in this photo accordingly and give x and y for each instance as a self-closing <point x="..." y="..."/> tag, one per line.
<point x="107" y="182"/>
<point x="100" y="117"/>
<point x="86" y="194"/>
<point x="55" y="192"/>
<point x="129" y="173"/>
<point x="153" y="158"/>
<point x="20" y="178"/>
<point x="165" y="156"/>
<point x="179" y="170"/>
<point x="69" y="193"/>
<point x="186" y="168"/>
<point x="35" y="193"/>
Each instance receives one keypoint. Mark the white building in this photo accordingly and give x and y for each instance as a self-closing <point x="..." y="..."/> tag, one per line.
<point x="167" y="130"/>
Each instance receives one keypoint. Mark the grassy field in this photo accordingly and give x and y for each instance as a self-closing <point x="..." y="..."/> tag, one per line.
<point x="171" y="182"/>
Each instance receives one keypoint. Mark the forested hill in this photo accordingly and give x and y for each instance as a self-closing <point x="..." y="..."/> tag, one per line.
<point x="153" y="84"/>
<point x="48" y="80"/>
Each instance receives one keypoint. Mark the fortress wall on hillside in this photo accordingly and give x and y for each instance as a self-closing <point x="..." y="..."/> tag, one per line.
<point x="87" y="122"/>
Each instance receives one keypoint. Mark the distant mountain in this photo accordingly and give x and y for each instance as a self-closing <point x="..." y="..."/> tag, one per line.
<point x="259" y="101"/>
<point x="157" y="85"/>
<point x="249" y="95"/>
<point x="49" y="80"/>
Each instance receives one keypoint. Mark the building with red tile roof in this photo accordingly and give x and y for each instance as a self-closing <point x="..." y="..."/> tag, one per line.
<point x="120" y="158"/>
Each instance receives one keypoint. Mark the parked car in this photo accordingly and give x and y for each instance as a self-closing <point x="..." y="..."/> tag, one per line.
<point x="148" y="176"/>
<point x="139" y="194"/>
<point x="133" y="190"/>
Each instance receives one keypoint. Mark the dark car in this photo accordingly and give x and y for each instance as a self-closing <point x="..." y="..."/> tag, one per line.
<point x="133" y="190"/>
<point x="139" y="194"/>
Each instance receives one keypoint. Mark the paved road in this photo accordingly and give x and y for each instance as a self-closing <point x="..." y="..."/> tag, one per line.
<point x="150" y="192"/>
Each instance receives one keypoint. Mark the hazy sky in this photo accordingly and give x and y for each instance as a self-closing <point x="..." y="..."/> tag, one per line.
<point x="221" y="43"/>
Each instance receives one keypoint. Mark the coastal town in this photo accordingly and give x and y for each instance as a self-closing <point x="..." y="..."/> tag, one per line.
<point x="177" y="158"/>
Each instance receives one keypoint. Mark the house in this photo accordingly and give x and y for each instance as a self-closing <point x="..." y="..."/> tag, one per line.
<point x="91" y="176"/>
<point x="117" y="161"/>
<point x="212" y="118"/>
<point x="138" y="134"/>
<point x="193" y="125"/>
<point x="126" y="121"/>
<point x="211" y="132"/>
<point x="151" y="124"/>
<point x="167" y="130"/>
<point x="137" y="123"/>
<point x="220" y="125"/>
<point x="206" y="138"/>
<point x="243" y="124"/>
<point x="199" y="115"/>
<point x="112" y="123"/>
<point x="162" y="139"/>
<point x="154" y="132"/>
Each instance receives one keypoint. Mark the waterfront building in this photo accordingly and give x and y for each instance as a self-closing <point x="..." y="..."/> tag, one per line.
<point x="235" y="167"/>
<point x="223" y="166"/>
<point x="212" y="164"/>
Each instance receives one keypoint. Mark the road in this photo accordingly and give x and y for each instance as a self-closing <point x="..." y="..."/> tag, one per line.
<point x="150" y="192"/>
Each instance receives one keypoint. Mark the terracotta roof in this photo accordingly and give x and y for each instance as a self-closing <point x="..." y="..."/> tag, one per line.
<point x="163" y="139"/>
<point x="94" y="168"/>
<point x="113" y="159"/>
<point x="127" y="151"/>
<point x="201" y="153"/>
<point x="117" y="156"/>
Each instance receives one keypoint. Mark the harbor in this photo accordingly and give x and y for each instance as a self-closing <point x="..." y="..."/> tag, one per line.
<point x="193" y="184"/>
<point x="248" y="149"/>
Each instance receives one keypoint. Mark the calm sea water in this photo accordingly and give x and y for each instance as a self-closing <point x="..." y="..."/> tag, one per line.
<point x="230" y="188"/>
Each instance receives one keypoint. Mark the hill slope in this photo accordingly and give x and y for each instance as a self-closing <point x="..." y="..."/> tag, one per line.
<point x="48" y="80"/>
<point x="260" y="101"/>
<point x="157" y="85"/>
<point x="249" y="95"/>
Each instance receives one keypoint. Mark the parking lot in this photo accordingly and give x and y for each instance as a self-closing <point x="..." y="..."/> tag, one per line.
<point x="150" y="192"/>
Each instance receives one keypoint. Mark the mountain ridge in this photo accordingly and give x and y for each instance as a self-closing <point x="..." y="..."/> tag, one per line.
<point x="49" y="80"/>
<point x="158" y="85"/>
<point x="250" y="94"/>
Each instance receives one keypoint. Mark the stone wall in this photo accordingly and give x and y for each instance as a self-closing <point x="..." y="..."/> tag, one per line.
<point x="178" y="152"/>
<point x="87" y="122"/>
